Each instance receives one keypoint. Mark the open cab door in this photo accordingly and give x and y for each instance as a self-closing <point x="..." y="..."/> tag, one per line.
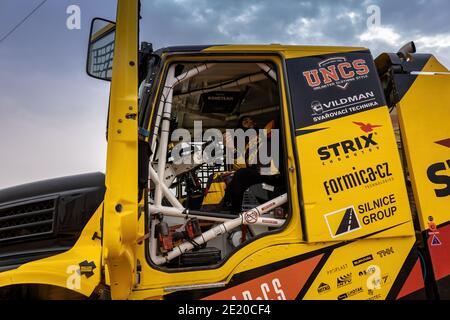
<point x="351" y="175"/>
<point x="121" y="198"/>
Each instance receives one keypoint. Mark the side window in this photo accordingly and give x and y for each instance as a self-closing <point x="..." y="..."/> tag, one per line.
<point x="217" y="178"/>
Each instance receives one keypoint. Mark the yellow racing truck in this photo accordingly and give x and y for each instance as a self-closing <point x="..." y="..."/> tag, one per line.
<point x="357" y="207"/>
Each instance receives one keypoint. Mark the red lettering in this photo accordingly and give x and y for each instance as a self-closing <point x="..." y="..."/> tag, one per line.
<point x="343" y="73"/>
<point x="361" y="67"/>
<point x="334" y="73"/>
<point x="329" y="73"/>
<point x="312" y="82"/>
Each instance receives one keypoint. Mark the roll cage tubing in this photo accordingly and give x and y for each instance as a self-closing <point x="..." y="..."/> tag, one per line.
<point x="162" y="122"/>
<point x="152" y="61"/>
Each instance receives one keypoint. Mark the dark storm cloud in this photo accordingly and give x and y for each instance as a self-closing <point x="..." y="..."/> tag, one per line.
<point x="53" y="116"/>
<point x="299" y="22"/>
<point x="234" y="21"/>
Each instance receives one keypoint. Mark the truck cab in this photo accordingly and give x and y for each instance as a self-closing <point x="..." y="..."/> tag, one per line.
<point x="246" y="172"/>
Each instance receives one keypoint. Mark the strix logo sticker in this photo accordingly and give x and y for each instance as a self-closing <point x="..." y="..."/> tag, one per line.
<point x="342" y="221"/>
<point x="347" y="147"/>
<point x="366" y="127"/>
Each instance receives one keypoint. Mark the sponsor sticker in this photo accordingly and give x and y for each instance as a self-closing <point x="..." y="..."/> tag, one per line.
<point x="432" y="226"/>
<point x="344" y="280"/>
<point x="435" y="241"/>
<point x="337" y="269"/>
<point x="336" y="71"/>
<point x="350" y="293"/>
<point x="87" y="268"/>
<point x="329" y="87"/>
<point x="384" y="207"/>
<point x="437" y="174"/>
<point x="370" y="270"/>
<point x="375" y="297"/>
<point x="343" y="106"/>
<point x="362" y="260"/>
<point x="369" y="177"/>
<point x="323" y="288"/>
<point x="378" y="282"/>
<point x="251" y="217"/>
<point x="385" y="252"/>
<point x="345" y="148"/>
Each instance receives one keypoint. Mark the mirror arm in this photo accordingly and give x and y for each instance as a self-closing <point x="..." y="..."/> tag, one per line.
<point x="145" y="55"/>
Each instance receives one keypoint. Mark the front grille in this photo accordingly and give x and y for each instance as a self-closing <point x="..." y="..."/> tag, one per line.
<point x="27" y="220"/>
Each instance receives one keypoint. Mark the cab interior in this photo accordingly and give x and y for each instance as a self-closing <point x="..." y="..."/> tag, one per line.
<point x="216" y="96"/>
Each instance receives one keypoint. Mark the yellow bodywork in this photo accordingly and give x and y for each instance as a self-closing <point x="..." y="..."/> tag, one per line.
<point x="290" y="242"/>
<point x="60" y="270"/>
<point x="427" y="99"/>
<point x="119" y="252"/>
<point x="121" y="206"/>
<point x="154" y="281"/>
<point x="122" y="227"/>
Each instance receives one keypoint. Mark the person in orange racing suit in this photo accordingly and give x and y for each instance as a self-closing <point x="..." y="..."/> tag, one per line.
<point x="250" y="175"/>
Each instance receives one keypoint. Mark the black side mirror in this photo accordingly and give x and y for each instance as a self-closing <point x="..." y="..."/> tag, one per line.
<point x="101" y="49"/>
<point x="406" y="50"/>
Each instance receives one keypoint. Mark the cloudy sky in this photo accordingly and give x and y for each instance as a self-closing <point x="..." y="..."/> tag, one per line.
<point x="53" y="116"/>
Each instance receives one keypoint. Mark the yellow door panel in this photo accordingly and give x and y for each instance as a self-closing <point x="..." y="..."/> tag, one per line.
<point x="352" y="194"/>
<point x="121" y="198"/>
<point x="352" y="181"/>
